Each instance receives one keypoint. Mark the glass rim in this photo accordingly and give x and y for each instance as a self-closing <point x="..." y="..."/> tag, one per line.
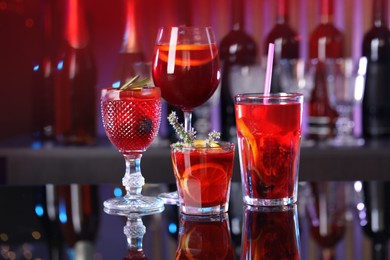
<point x="187" y="27"/>
<point x="224" y="145"/>
<point x="292" y="97"/>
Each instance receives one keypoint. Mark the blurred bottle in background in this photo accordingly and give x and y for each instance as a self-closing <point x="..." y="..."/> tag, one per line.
<point x="376" y="48"/>
<point x="286" y="42"/>
<point x="236" y="48"/>
<point x="325" y="46"/>
<point x="75" y="81"/>
<point x="130" y="53"/>
<point x="43" y="77"/>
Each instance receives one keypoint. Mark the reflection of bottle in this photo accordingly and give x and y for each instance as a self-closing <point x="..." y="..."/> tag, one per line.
<point x="130" y="53"/>
<point x="45" y="198"/>
<point x="78" y="209"/>
<point x="326" y="44"/>
<point x="375" y="219"/>
<point x="270" y="233"/>
<point x="75" y="93"/>
<point x="286" y="42"/>
<point x="376" y="48"/>
<point x="43" y="81"/>
<point x="326" y="210"/>
<point x="204" y="238"/>
<point x="236" y="48"/>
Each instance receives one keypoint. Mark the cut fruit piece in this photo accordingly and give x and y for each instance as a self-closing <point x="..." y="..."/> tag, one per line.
<point x="205" y="183"/>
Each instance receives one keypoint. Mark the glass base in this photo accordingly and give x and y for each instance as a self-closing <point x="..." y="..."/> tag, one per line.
<point x="170" y="198"/>
<point x="269" y="202"/>
<point x="216" y="210"/>
<point x="350" y="141"/>
<point x="133" y="204"/>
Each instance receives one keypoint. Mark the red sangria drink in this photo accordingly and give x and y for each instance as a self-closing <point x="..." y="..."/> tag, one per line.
<point x="188" y="79"/>
<point x="203" y="176"/>
<point x="204" y="238"/>
<point x="186" y="68"/>
<point x="271" y="233"/>
<point x="269" y="133"/>
<point x="131" y="118"/>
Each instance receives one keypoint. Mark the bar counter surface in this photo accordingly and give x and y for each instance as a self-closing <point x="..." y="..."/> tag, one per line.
<point x="22" y="162"/>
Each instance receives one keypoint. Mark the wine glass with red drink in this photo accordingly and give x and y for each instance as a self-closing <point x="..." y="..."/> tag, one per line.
<point x="131" y="118"/>
<point x="186" y="69"/>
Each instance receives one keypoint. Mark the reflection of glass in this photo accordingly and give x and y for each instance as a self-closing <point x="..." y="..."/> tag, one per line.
<point x="326" y="207"/>
<point x="131" y="119"/>
<point x="345" y="92"/>
<point x="271" y="233"/>
<point x="294" y="78"/>
<point x="134" y="231"/>
<point x="204" y="238"/>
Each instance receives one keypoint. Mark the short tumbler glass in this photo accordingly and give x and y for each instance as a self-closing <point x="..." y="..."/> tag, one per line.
<point x="203" y="177"/>
<point x="269" y="135"/>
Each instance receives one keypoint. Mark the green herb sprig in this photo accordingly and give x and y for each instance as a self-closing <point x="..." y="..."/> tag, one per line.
<point x="186" y="139"/>
<point x="134" y="83"/>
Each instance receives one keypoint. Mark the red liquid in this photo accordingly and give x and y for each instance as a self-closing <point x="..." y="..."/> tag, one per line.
<point x="193" y="77"/>
<point x="203" y="178"/>
<point x="204" y="239"/>
<point x="270" y="234"/>
<point x="131" y="118"/>
<point x="269" y="138"/>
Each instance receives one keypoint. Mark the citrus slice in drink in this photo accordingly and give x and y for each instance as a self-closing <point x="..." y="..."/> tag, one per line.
<point x="249" y="139"/>
<point x="188" y="54"/>
<point x="205" y="183"/>
<point x="206" y="240"/>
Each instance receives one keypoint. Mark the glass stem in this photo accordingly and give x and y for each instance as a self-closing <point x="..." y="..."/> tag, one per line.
<point x="187" y="121"/>
<point x="133" y="179"/>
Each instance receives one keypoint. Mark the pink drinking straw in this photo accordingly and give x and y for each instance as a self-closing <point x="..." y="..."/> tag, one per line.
<point x="268" y="72"/>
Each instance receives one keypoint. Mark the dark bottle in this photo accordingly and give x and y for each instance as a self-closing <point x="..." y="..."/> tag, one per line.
<point x="236" y="48"/>
<point x="43" y="79"/>
<point x="75" y="82"/>
<point x="130" y="53"/>
<point x="326" y="45"/>
<point x="286" y="42"/>
<point x="78" y="213"/>
<point x="376" y="218"/>
<point x="376" y="48"/>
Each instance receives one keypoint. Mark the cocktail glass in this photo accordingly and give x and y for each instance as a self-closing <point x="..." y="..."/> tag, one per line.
<point x="296" y="77"/>
<point x="186" y="68"/>
<point x="269" y="133"/>
<point x="204" y="238"/>
<point x="270" y="233"/>
<point x="131" y="120"/>
<point x="346" y="91"/>
<point x="203" y="177"/>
